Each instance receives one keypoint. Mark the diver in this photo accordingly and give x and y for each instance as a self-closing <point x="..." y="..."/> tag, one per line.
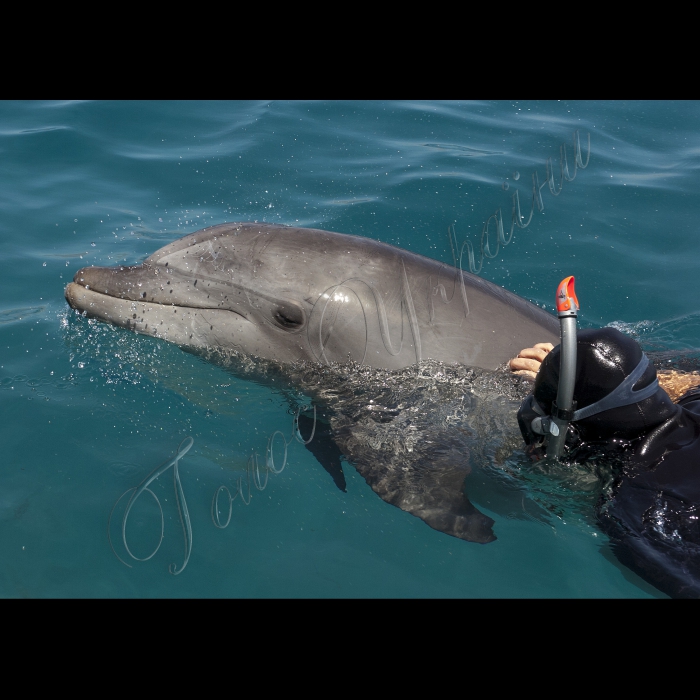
<point x="623" y="412"/>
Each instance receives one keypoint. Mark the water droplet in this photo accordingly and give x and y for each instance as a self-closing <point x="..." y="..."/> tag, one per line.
<point x="43" y="264"/>
<point x="516" y="175"/>
<point x="81" y="365"/>
<point x="505" y="186"/>
<point x="92" y="244"/>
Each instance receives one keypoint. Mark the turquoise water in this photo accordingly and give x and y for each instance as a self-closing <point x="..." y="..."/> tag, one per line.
<point x="89" y="411"/>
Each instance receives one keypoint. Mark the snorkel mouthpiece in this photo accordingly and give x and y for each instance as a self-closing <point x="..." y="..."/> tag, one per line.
<point x="562" y="409"/>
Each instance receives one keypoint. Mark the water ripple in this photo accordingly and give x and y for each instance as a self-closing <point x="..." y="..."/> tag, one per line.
<point x="12" y="315"/>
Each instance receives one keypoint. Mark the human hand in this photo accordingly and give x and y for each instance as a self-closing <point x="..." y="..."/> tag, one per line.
<point x="529" y="360"/>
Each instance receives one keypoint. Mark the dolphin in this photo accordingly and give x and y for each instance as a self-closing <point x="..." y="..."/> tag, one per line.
<point x="306" y="297"/>
<point x="292" y="294"/>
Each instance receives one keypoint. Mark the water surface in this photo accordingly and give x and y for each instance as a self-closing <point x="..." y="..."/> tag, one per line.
<point x="88" y="411"/>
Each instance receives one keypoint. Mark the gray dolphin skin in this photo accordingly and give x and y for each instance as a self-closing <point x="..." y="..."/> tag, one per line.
<point x="292" y="294"/>
<point x="302" y="297"/>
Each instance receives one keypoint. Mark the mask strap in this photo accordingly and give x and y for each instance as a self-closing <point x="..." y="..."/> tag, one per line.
<point x="536" y="407"/>
<point x="623" y="394"/>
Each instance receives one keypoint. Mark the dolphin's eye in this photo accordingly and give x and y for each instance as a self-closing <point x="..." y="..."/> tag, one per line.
<point x="289" y="316"/>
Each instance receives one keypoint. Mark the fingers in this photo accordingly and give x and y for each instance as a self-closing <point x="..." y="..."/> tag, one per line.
<point x="526" y="373"/>
<point x="529" y="360"/>
<point x="533" y="354"/>
<point x="522" y="363"/>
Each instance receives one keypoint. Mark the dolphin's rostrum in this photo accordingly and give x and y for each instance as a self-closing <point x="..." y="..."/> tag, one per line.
<point x="295" y="295"/>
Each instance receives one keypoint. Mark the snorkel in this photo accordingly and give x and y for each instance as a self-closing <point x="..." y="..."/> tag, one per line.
<point x="562" y="408"/>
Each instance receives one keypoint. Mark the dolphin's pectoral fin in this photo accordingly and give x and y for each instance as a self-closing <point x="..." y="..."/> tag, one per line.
<point x="424" y="480"/>
<point x="437" y="498"/>
<point x="462" y="519"/>
<point x="323" y="447"/>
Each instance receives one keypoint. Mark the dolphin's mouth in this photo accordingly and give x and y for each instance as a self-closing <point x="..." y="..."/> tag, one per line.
<point x="118" y="300"/>
<point x="124" y="294"/>
<point x="143" y="284"/>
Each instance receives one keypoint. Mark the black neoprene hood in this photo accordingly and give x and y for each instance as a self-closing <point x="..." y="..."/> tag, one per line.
<point x="605" y="357"/>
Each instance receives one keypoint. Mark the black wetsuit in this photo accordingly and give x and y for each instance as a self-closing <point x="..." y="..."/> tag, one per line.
<point x="651" y="512"/>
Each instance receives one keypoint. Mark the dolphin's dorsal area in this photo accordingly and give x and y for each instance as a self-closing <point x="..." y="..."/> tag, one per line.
<point x="290" y="294"/>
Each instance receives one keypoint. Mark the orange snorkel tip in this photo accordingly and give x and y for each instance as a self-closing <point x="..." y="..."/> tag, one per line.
<point x="567" y="301"/>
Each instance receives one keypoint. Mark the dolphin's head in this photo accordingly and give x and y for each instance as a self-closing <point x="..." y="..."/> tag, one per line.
<point x="247" y="287"/>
